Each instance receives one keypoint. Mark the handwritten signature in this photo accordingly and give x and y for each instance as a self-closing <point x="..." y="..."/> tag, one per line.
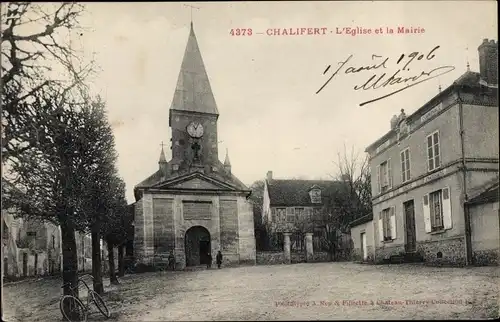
<point x="382" y="80"/>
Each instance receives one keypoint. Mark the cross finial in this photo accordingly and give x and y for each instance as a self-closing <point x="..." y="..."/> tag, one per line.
<point x="467" y="58"/>
<point x="162" y="145"/>
<point x="192" y="7"/>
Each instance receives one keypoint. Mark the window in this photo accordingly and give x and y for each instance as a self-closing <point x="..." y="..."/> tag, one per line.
<point x="290" y="214"/>
<point x="436" y="208"/>
<point x="384" y="173"/>
<point x="315" y="195"/>
<point x="387" y="224"/>
<point x="299" y="213"/>
<point x="53" y="242"/>
<point x="280" y="214"/>
<point x="31" y="233"/>
<point x="405" y="165"/>
<point x="433" y="153"/>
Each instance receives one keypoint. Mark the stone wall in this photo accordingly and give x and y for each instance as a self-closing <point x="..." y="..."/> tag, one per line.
<point x="273" y="258"/>
<point x="387" y="250"/>
<point x="270" y="258"/>
<point x="452" y="251"/>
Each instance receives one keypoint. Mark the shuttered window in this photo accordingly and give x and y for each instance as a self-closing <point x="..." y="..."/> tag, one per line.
<point x="437" y="210"/>
<point x="405" y="165"/>
<point x="387" y="224"/>
<point x="433" y="151"/>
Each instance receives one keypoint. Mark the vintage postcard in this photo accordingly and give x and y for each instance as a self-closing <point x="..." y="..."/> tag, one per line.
<point x="260" y="160"/>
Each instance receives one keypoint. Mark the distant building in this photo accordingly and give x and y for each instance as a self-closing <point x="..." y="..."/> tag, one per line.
<point x="293" y="208"/>
<point x="427" y="169"/>
<point x="32" y="247"/>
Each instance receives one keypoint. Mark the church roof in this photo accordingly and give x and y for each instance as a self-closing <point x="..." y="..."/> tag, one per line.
<point x="293" y="192"/>
<point x="193" y="92"/>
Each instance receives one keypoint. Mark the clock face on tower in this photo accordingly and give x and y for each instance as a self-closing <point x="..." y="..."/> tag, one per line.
<point x="195" y="130"/>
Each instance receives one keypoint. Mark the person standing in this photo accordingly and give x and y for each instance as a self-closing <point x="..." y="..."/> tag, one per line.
<point x="219" y="259"/>
<point x="209" y="263"/>
<point x="171" y="261"/>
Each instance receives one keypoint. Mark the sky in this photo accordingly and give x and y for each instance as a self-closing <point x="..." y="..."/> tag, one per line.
<point x="265" y="86"/>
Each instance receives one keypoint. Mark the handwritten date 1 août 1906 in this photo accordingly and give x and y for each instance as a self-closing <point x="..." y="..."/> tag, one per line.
<point x="377" y="81"/>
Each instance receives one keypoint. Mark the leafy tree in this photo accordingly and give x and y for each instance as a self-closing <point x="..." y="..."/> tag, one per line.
<point x="116" y="224"/>
<point x="98" y="177"/>
<point x="257" y="198"/>
<point x="47" y="176"/>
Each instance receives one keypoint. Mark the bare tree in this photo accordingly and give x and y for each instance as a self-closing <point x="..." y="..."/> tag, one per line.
<point x="37" y="57"/>
<point x="347" y="201"/>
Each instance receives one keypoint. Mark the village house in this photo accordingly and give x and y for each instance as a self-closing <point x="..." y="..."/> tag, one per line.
<point x="427" y="171"/>
<point x="292" y="212"/>
<point x="32" y="247"/>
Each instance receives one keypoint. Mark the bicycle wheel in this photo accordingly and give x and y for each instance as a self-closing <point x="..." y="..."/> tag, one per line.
<point x="72" y="309"/>
<point x="101" y="305"/>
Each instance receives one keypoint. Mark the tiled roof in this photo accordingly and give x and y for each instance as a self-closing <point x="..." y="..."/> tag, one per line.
<point x="361" y="220"/>
<point x="296" y="192"/>
<point x="490" y="195"/>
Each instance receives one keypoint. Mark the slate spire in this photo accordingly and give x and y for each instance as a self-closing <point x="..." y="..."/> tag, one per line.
<point x="227" y="163"/>
<point x="193" y="92"/>
<point x="162" y="155"/>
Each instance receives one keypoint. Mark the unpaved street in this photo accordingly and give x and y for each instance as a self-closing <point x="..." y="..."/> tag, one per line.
<point x="282" y="292"/>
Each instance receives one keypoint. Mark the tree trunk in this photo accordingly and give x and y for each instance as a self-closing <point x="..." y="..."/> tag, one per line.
<point x="121" y="261"/>
<point x="96" y="260"/>
<point x="111" y="259"/>
<point x="70" y="260"/>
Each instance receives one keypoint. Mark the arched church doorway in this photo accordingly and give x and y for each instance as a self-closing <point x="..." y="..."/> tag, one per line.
<point x="197" y="246"/>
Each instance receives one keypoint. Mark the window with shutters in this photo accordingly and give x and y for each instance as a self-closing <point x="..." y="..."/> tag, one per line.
<point x="290" y="214"/>
<point x="433" y="151"/>
<point x="385" y="175"/>
<point x="273" y="215"/>
<point x="386" y="224"/>
<point x="405" y="165"/>
<point x="280" y="214"/>
<point x="299" y="213"/>
<point x="436" y="210"/>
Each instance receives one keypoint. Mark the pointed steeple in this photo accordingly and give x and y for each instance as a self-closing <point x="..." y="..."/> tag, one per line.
<point x="226" y="161"/>
<point x="162" y="154"/>
<point x="193" y="92"/>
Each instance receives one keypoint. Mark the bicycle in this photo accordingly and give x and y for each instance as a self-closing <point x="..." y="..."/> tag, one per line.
<point x="78" y="310"/>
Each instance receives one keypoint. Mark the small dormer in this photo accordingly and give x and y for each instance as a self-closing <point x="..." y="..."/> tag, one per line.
<point x="315" y="194"/>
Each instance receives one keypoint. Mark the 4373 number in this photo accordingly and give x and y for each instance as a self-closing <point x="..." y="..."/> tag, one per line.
<point x="241" y="32"/>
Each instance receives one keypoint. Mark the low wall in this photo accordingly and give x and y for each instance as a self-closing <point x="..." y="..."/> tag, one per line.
<point x="274" y="257"/>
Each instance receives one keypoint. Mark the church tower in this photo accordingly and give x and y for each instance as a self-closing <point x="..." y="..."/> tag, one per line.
<point x="193" y="204"/>
<point x="193" y="114"/>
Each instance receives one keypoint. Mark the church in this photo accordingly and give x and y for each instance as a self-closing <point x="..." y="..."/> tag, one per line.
<point x="193" y="205"/>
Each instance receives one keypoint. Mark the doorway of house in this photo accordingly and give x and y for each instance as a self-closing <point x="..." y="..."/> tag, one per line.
<point x="36" y="264"/>
<point x="411" y="238"/>
<point x="25" y="264"/>
<point x="197" y="246"/>
<point x="363" y="246"/>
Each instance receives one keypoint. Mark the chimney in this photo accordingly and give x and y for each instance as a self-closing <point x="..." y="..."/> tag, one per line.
<point x="269" y="176"/>
<point x="488" y="61"/>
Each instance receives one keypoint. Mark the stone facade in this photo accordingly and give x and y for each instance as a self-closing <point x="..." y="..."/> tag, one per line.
<point x="275" y="257"/>
<point x="448" y="151"/>
<point x="33" y="247"/>
<point x="193" y="205"/>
